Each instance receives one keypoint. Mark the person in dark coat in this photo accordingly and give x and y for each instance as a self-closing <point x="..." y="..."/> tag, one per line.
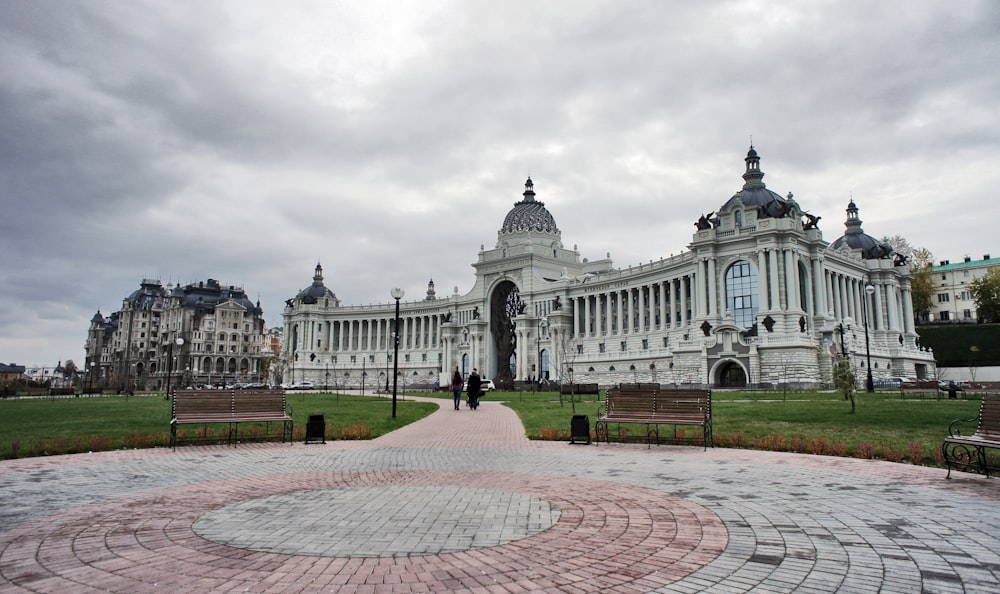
<point x="474" y="389"/>
<point x="456" y="388"/>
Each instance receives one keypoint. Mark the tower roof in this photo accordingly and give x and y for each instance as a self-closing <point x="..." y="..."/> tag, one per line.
<point x="529" y="215"/>
<point x="856" y="239"/>
<point x="755" y="194"/>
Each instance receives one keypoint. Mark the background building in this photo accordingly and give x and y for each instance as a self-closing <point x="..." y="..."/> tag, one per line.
<point x="758" y="297"/>
<point x="953" y="301"/>
<point x="200" y="333"/>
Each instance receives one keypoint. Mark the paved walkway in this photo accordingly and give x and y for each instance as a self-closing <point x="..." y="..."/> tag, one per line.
<point x="462" y="502"/>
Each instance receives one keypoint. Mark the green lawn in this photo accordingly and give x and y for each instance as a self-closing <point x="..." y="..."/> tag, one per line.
<point x="883" y="426"/>
<point x="44" y="426"/>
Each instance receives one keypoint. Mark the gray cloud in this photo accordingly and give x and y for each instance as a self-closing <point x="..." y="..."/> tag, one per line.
<point x="388" y="140"/>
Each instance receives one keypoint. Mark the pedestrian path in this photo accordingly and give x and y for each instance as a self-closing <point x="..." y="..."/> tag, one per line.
<point x="461" y="501"/>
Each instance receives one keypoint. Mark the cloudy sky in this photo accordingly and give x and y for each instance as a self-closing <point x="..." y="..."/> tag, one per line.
<point x="245" y="141"/>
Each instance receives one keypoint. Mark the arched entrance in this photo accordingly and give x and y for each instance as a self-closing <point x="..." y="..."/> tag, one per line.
<point x="731" y="375"/>
<point x="505" y="305"/>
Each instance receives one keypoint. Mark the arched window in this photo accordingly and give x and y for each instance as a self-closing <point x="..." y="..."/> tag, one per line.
<point x="742" y="300"/>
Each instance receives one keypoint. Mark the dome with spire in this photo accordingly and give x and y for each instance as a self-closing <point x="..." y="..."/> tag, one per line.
<point x="755" y="194"/>
<point x="317" y="290"/>
<point x="856" y="239"/>
<point x="529" y="215"/>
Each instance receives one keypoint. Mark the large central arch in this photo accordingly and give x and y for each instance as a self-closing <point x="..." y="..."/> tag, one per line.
<point x="505" y="304"/>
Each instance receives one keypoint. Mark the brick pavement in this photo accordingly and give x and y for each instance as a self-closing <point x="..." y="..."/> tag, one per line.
<point x="463" y="502"/>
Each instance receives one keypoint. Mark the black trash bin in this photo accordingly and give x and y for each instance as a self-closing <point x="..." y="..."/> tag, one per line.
<point x="579" y="429"/>
<point x="316" y="429"/>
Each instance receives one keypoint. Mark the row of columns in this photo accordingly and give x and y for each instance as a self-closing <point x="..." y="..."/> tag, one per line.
<point x="666" y="304"/>
<point x="890" y="307"/>
<point x="416" y="332"/>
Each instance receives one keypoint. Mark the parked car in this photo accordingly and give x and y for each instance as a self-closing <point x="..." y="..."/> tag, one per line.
<point x="486" y="386"/>
<point x="892" y="382"/>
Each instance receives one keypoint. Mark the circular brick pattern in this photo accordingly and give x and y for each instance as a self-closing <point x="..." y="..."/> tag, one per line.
<point x="607" y="536"/>
<point x="382" y="521"/>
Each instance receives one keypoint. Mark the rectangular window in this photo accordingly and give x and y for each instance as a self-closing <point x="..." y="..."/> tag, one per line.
<point x="645" y="344"/>
<point x="967" y="314"/>
<point x="600" y="348"/>
<point x="943" y="297"/>
<point x="579" y="349"/>
<point x="624" y="346"/>
<point x="966" y="296"/>
<point x="407" y="358"/>
<point x="666" y="340"/>
<point x="354" y="359"/>
<point x="945" y="316"/>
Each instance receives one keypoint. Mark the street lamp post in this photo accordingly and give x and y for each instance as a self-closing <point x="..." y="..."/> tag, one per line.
<point x="542" y="324"/>
<point x="397" y="294"/>
<point x="869" y="383"/>
<point x="170" y="362"/>
<point x="845" y="324"/>
<point x="92" y="364"/>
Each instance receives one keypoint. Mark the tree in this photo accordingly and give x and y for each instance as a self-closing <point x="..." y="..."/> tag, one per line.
<point x="69" y="369"/>
<point x="986" y="291"/>
<point x="844" y="379"/>
<point x="922" y="289"/>
<point x="920" y="261"/>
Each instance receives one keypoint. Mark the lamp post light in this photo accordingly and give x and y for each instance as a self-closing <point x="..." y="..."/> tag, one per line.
<point x="542" y="325"/>
<point x="397" y="294"/>
<point x="92" y="364"/>
<point x="869" y="383"/>
<point x="844" y="325"/>
<point x="170" y="362"/>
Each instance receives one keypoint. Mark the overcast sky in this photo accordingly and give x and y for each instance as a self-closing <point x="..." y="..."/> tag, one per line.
<point x="247" y="141"/>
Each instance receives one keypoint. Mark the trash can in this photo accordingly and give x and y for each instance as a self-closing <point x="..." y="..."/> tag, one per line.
<point x="316" y="429"/>
<point x="579" y="429"/>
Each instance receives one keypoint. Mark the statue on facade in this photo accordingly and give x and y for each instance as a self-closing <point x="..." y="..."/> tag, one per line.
<point x="705" y="221"/>
<point x="556" y="306"/>
<point x="475" y="313"/>
<point x="812" y="221"/>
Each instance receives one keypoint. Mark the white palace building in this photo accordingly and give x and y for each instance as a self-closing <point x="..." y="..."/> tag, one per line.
<point x="759" y="297"/>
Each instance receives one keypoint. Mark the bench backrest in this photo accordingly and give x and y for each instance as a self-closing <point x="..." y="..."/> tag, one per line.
<point x="208" y="403"/>
<point x="989" y="419"/>
<point x="630" y="402"/>
<point x="211" y="404"/>
<point x="259" y="402"/>
<point x="651" y="402"/>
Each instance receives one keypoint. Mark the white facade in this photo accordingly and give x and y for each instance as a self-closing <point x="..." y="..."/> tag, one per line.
<point x="758" y="297"/>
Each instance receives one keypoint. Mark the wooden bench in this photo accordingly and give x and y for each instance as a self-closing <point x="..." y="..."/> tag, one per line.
<point x="653" y="407"/>
<point x="921" y="388"/>
<point x="579" y="389"/>
<point x="971" y="453"/>
<point x="232" y="407"/>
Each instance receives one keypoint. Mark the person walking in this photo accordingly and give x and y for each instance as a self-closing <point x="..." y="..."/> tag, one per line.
<point x="456" y="388"/>
<point x="475" y="386"/>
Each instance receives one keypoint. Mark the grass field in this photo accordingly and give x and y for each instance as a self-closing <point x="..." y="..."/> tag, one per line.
<point x="45" y="426"/>
<point x="883" y="426"/>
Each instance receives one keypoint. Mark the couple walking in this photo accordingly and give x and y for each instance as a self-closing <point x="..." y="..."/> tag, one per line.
<point x="474" y="389"/>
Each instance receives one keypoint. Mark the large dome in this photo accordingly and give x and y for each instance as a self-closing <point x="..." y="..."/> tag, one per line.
<point x="856" y="239"/>
<point x="317" y="290"/>
<point x="755" y="194"/>
<point x="529" y="215"/>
